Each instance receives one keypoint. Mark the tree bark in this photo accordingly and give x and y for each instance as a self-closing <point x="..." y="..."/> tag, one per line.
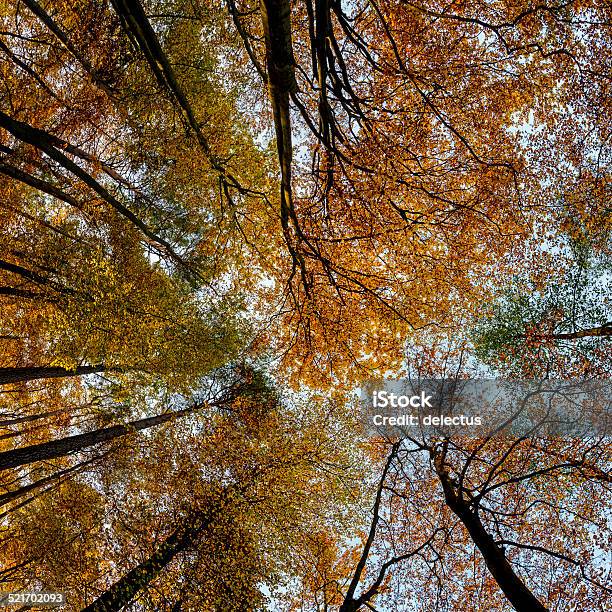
<point x="125" y="589"/>
<point x="604" y="330"/>
<point x="515" y="590"/>
<point x="65" y="446"/>
<point x="13" y="375"/>
<point x="11" y="496"/>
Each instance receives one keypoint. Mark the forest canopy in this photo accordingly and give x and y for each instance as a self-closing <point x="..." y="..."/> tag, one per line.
<point x="219" y="220"/>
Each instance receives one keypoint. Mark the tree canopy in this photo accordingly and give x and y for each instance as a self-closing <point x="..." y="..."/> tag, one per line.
<point x="219" y="220"/>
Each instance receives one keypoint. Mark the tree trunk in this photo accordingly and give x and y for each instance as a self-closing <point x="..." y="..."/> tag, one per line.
<point x="521" y="598"/>
<point x="30" y="276"/>
<point x="124" y="590"/>
<point x="21" y="293"/>
<point x="602" y="330"/>
<point x="47" y="144"/>
<point x="515" y="590"/>
<point x="60" y="448"/>
<point x="11" y="496"/>
<point x="282" y="84"/>
<point x="28" y="418"/>
<point x="23" y="272"/>
<point x="14" y="375"/>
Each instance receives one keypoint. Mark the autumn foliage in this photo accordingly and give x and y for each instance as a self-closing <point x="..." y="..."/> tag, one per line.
<point x="218" y="220"/>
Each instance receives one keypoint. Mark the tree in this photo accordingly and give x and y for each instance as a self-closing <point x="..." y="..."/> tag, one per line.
<point x="554" y="322"/>
<point x="60" y="448"/>
<point x="123" y="591"/>
<point x="255" y="477"/>
<point x="423" y="176"/>
<point x="460" y="520"/>
<point x="194" y="193"/>
<point x="436" y="500"/>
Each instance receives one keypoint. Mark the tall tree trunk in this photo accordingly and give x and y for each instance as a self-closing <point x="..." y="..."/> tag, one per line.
<point x="23" y="272"/>
<point x="14" y="375"/>
<point x="14" y="420"/>
<point x="21" y="293"/>
<point x="56" y="477"/>
<point x="350" y="603"/>
<point x="604" y="330"/>
<point x="521" y="598"/>
<point x="20" y="505"/>
<point x="280" y="65"/>
<point x="60" y="448"/>
<point x="125" y="589"/>
<point x="142" y="34"/>
<point x="515" y="590"/>
<point x="47" y="143"/>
